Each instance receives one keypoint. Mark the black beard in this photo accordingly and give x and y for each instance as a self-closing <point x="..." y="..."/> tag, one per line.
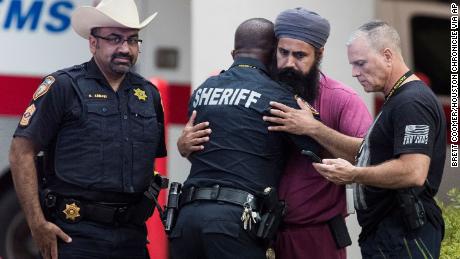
<point x="303" y="85"/>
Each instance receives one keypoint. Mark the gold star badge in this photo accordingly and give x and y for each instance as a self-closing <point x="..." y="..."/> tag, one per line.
<point x="71" y="211"/>
<point x="270" y="253"/>
<point x="140" y="94"/>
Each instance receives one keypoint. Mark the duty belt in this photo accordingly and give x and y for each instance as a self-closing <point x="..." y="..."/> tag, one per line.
<point x="135" y="210"/>
<point x="217" y="193"/>
<point x="73" y="210"/>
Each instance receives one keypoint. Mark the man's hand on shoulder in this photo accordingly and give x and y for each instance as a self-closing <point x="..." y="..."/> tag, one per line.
<point x="294" y="121"/>
<point x="193" y="136"/>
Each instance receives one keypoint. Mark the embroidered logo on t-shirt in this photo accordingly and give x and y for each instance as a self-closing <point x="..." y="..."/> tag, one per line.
<point x="416" y="134"/>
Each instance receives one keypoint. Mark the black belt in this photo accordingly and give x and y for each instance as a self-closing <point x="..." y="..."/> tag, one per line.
<point x="94" y="211"/>
<point x="217" y="193"/>
<point x="73" y="210"/>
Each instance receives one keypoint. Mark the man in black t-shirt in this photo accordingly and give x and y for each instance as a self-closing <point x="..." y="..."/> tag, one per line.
<point x="400" y="165"/>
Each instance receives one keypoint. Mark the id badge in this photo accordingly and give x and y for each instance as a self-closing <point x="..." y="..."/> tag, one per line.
<point x="350" y="199"/>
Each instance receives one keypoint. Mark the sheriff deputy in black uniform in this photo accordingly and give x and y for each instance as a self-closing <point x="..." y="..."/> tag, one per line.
<point x="101" y="127"/>
<point x="222" y="199"/>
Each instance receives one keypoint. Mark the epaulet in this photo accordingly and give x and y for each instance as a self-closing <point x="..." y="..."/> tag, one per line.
<point x="70" y="73"/>
<point x="141" y="79"/>
<point x="151" y="84"/>
<point x="73" y="71"/>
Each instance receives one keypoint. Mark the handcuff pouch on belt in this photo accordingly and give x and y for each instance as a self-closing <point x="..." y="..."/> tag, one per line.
<point x="271" y="214"/>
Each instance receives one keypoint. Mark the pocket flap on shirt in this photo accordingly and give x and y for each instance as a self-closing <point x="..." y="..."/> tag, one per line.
<point x="143" y="111"/>
<point x="102" y="109"/>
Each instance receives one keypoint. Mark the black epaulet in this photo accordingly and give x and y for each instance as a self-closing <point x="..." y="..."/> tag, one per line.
<point x="142" y="79"/>
<point x="73" y="71"/>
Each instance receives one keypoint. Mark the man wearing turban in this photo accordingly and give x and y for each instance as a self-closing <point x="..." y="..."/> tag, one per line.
<point x="316" y="206"/>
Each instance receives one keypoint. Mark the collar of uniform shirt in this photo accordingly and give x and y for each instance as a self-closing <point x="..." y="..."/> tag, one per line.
<point x="93" y="70"/>
<point x="95" y="73"/>
<point x="250" y="63"/>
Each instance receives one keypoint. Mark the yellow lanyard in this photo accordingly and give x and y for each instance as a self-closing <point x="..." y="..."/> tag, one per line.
<point x="398" y="84"/>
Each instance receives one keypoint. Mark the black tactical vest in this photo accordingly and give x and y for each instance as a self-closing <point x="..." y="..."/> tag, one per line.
<point x="113" y="143"/>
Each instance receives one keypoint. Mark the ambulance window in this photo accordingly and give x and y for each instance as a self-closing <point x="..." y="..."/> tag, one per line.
<point x="431" y="50"/>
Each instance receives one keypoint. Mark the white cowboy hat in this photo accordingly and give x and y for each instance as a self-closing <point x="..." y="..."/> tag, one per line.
<point x="108" y="13"/>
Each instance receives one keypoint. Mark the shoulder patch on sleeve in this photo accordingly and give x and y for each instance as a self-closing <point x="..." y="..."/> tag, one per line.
<point x="44" y="87"/>
<point x="27" y="115"/>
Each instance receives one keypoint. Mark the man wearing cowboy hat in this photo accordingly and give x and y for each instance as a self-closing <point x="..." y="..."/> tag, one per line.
<point x="101" y="127"/>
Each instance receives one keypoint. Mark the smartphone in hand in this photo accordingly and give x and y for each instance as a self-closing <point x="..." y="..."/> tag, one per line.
<point x="314" y="158"/>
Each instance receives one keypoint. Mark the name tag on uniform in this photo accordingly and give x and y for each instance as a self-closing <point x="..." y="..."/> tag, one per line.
<point x="97" y="96"/>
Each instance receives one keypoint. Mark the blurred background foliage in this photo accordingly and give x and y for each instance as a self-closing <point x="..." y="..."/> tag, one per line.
<point x="450" y="248"/>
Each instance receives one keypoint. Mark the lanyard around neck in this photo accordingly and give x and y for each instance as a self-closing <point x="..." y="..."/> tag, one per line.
<point x="398" y="84"/>
<point x="392" y="91"/>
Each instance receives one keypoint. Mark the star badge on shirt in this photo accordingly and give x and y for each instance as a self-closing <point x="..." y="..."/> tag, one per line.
<point x="140" y="94"/>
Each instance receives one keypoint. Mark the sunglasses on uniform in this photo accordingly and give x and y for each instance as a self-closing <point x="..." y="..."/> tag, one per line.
<point x="116" y="40"/>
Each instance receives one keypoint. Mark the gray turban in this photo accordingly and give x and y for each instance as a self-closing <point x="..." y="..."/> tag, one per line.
<point x="304" y="25"/>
